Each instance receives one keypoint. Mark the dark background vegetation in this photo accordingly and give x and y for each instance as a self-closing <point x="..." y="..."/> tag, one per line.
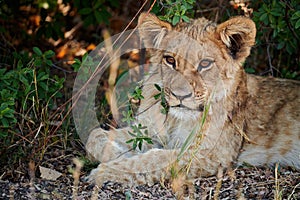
<point x="42" y="43"/>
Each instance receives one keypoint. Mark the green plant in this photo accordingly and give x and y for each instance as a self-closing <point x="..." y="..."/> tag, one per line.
<point x="95" y="12"/>
<point x="33" y="79"/>
<point x="278" y="24"/>
<point x="174" y="11"/>
<point x="77" y="62"/>
<point x="273" y="14"/>
<point x="7" y="111"/>
<point x="28" y="94"/>
<point x="40" y="19"/>
<point x="162" y="97"/>
<point x="139" y="132"/>
<point x="128" y="116"/>
<point x="137" y="94"/>
<point x="54" y="28"/>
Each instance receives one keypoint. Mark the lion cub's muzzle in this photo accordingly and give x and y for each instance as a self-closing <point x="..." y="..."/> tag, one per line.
<point x="182" y="100"/>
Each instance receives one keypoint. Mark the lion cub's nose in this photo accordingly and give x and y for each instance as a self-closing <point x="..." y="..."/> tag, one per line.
<point x="181" y="97"/>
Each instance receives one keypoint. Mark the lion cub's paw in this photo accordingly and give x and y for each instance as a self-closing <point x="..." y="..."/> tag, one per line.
<point x="100" y="175"/>
<point x="104" y="173"/>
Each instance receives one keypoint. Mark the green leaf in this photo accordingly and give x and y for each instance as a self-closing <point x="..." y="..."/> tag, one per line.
<point x="98" y="16"/>
<point x="48" y="62"/>
<point x="85" y="57"/>
<point x="250" y="70"/>
<point x="105" y="15"/>
<point x="191" y="1"/>
<point x="130" y="133"/>
<point x="275" y="13"/>
<point x="44" y="86"/>
<point x="157" y="87"/>
<point x="114" y="3"/>
<point x="37" y="51"/>
<point x="175" y="20"/>
<point x="42" y="76"/>
<point x="296" y="15"/>
<point x="272" y="19"/>
<point x="85" y="11"/>
<point x="4" y="108"/>
<point x="265" y="7"/>
<point x="49" y="54"/>
<point x="5" y="122"/>
<point x="157" y="96"/>
<point x="148" y="140"/>
<point x="38" y="62"/>
<point x="88" y="20"/>
<point x="140" y="145"/>
<point x="20" y="64"/>
<point x="280" y="45"/>
<point x="134" y="144"/>
<point x="163" y="111"/>
<point x="129" y="141"/>
<point x="185" y="18"/>
<point x="76" y="65"/>
<point x="264" y="18"/>
<point x="297" y="25"/>
<point x="97" y="4"/>
<point x="9" y="114"/>
<point x="23" y="79"/>
<point x="3" y="134"/>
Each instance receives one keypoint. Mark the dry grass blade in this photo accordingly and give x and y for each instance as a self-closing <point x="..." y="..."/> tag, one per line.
<point x="278" y="193"/>
<point x="114" y="58"/>
<point x="219" y="183"/>
<point x="76" y="175"/>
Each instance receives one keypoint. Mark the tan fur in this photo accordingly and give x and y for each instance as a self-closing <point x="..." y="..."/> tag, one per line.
<point x="250" y="119"/>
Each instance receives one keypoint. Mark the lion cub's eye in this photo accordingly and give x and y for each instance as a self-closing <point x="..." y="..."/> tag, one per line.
<point x="170" y="61"/>
<point x="205" y="63"/>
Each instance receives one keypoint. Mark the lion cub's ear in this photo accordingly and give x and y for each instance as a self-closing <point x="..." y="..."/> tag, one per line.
<point x="152" y="30"/>
<point x="238" y="36"/>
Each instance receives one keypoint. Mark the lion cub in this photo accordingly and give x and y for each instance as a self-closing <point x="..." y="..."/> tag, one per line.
<point x="217" y="115"/>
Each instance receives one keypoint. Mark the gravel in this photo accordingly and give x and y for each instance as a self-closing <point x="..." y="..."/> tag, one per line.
<point x="245" y="183"/>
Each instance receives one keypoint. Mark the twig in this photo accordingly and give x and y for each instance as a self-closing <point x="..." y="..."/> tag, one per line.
<point x="290" y="196"/>
<point x="31" y="172"/>
<point x="270" y="61"/>
<point x="62" y="69"/>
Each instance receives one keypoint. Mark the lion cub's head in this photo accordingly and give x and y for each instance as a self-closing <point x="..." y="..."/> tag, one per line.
<point x="197" y="62"/>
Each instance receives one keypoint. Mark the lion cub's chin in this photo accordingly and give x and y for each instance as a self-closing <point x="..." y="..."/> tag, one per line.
<point x="184" y="113"/>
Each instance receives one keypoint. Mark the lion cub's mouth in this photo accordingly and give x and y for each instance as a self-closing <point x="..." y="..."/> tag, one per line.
<point x="180" y="106"/>
<point x="183" y="112"/>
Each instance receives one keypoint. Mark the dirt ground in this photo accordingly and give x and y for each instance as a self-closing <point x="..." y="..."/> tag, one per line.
<point x="245" y="183"/>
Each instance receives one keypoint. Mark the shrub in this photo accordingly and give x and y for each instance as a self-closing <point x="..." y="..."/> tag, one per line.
<point x="278" y="24"/>
<point x="28" y="94"/>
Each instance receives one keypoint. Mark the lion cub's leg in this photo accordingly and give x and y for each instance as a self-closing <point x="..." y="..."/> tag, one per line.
<point x="142" y="168"/>
<point x="153" y="166"/>
<point x="103" y="145"/>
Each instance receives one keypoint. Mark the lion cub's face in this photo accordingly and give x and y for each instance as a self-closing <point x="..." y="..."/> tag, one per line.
<point x="197" y="62"/>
